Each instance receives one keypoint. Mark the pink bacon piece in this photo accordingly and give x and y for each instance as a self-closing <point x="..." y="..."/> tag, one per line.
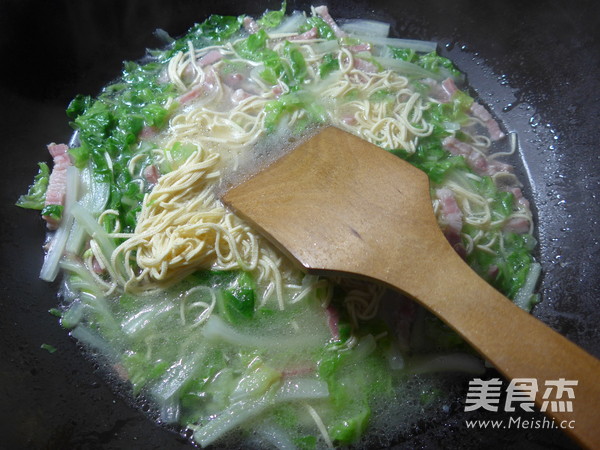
<point x="277" y="91"/>
<point x="57" y="184"/>
<point x="458" y="148"/>
<point x="442" y="92"/>
<point x="191" y="95"/>
<point x="210" y="58"/>
<point x="203" y="88"/>
<point x="451" y="213"/>
<point x="234" y="80"/>
<point x="451" y="218"/>
<point x="475" y="160"/>
<point x="519" y="225"/>
<point x="148" y="133"/>
<point x="449" y="87"/>
<point x="365" y="66"/>
<point x="250" y="25"/>
<point x="240" y="95"/>
<point x="349" y="120"/>
<point x="151" y="174"/>
<point x="333" y="319"/>
<point x="482" y="114"/>
<point x="307" y="35"/>
<point x="96" y="267"/>
<point x="360" y="48"/>
<point x="519" y="196"/>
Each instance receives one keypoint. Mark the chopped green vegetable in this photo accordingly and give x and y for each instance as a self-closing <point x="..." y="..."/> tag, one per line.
<point x="53" y="211"/>
<point x="271" y="19"/>
<point x="330" y="63"/>
<point x="254" y="46"/>
<point x="276" y="110"/>
<point x="36" y="195"/>
<point x="290" y="67"/>
<point x="352" y="378"/>
<point x="79" y="105"/>
<point x="507" y="269"/>
<point x="405" y="54"/>
<point x="298" y="68"/>
<point x="456" y="110"/>
<point x="219" y="28"/>
<point x="350" y="429"/>
<point x="49" y="348"/>
<point x="140" y="371"/>
<point x="236" y="301"/>
<point x="178" y="153"/>
<point x="434" y="63"/>
<point x="55" y="312"/>
<point x="434" y="160"/>
<point x="382" y="95"/>
<point x="255" y="381"/>
<point x="275" y="68"/>
<point x="430" y="61"/>
<point x="109" y="128"/>
<point x="80" y="156"/>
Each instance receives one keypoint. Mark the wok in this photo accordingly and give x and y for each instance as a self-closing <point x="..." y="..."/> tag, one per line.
<point x="534" y="63"/>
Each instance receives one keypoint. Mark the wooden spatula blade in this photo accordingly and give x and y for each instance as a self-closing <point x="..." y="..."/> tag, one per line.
<point x="339" y="204"/>
<point x="335" y="203"/>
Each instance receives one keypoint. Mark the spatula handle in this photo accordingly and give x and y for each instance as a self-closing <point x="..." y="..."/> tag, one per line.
<point x="342" y="206"/>
<point x="520" y="345"/>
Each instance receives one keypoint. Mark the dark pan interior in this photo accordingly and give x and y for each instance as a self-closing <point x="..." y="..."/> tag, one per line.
<point x="534" y="63"/>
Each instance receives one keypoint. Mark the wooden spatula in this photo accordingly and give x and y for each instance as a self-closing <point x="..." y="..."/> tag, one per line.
<point x="342" y="206"/>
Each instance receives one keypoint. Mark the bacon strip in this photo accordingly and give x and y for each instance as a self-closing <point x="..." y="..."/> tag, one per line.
<point x="475" y="160"/>
<point x="519" y="196"/>
<point x="307" y="35"/>
<point x="151" y="174"/>
<point x="451" y="214"/>
<point x="250" y="25"/>
<point x="239" y="95"/>
<point x="202" y="89"/>
<point x="442" y="92"/>
<point x="333" y="319"/>
<point x="57" y="184"/>
<point x="482" y="114"/>
<point x="148" y="132"/>
<point x="359" y="48"/>
<point x="449" y="87"/>
<point x="365" y="66"/>
<point x="210" y="58"/>
<point x="518" y="225"/>
<point x="451" y="218"/>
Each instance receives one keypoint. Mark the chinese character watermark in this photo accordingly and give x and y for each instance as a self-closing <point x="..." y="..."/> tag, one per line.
<point x="557" y="395"/>
<point x="556" y="402"/>
<point x="521" y="391"/>
<point x="484" y="394"/>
